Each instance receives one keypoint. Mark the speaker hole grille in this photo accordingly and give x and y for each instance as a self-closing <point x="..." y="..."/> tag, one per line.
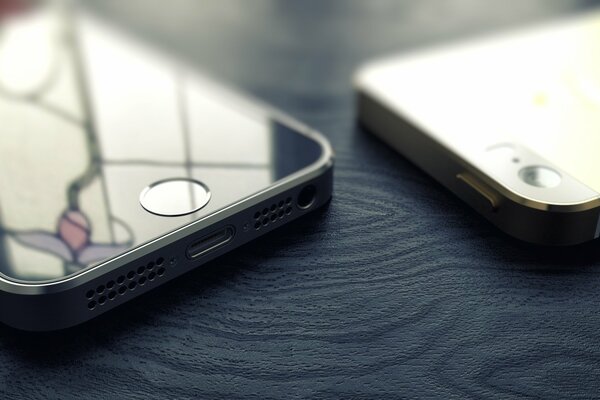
<point x="273" y="213"/>
<point x="120" y="285"/>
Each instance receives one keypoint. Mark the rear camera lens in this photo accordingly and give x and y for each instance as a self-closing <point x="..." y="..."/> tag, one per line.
<point x="539" y="176"/>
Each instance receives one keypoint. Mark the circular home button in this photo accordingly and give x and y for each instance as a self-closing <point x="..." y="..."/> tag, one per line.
<point x="174" y="197"/>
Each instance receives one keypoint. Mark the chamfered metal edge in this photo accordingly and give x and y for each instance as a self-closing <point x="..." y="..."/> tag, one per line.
<point x="583" y="225"/>
<point x="318" y="168"/>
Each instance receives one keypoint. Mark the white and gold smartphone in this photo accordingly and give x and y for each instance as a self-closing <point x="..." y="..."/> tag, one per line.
<point x="510" y="124"/>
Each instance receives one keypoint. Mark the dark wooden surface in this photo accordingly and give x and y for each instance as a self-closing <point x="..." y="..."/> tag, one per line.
<point x="396" y="290"/>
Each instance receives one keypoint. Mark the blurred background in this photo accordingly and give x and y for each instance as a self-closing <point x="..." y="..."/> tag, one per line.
<point x="307" y="50"/>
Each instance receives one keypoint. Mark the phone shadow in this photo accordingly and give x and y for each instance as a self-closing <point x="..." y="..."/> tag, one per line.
<point x="149" y="311"/>
<point x="545" y="259"/>
<point x="492" y="245"/>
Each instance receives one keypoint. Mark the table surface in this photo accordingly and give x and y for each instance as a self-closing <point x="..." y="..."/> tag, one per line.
<point x="395" y="290"/>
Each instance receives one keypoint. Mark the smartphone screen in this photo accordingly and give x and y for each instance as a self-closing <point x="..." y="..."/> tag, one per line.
<point x="89" y="118"/>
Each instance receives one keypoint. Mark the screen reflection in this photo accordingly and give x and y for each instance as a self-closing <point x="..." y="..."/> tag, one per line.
<point x="90" y="119"/>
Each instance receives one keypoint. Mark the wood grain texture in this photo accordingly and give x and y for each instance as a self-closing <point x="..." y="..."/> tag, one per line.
<point x="396" y="290"/>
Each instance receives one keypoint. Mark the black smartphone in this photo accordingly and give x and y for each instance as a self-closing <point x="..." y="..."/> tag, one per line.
<point x="122" y="168"/>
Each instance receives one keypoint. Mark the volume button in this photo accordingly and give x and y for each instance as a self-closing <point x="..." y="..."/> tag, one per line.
<point x="482" y="190"/>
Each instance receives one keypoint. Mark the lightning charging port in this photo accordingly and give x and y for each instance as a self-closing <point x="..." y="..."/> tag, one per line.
<point x="210" y="242"/>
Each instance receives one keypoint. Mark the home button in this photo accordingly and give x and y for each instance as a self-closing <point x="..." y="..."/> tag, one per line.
<point x="174" y="197"/>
